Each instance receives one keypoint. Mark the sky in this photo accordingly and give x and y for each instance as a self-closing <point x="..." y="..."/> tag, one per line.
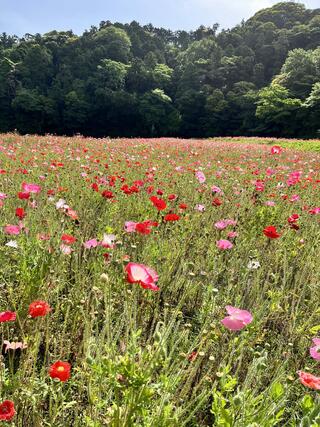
<point x="40" y="16"/>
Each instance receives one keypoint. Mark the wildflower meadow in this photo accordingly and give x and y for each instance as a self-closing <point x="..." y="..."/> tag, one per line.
<point x="159" y="282"/>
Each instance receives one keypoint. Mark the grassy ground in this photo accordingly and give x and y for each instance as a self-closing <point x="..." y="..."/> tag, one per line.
<point x="159" y="358"/>
<point x="295" y="144"/>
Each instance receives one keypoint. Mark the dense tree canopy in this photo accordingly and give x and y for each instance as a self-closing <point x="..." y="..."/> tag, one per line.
<point x="261" y="77"/>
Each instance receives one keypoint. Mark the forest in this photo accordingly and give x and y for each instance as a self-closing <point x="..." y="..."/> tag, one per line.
<point x="261" y="78"/>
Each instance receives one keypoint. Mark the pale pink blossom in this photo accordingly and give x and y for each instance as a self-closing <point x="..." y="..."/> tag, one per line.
<point x="200" y="177"/>
<point x="92" y="243"/>
<point x="130" y="226"/>
<point x="237" y="319"/>
<point x="216" y="189"/>
<point x="66" y="249"/>
<point x="14" y="345"/>
<point x="200" y="208"/>
<point x="224" y="244"/>
<point x="108" y="241"/>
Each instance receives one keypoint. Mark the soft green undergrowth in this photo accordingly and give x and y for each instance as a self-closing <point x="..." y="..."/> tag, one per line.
<point x="295" y="144"/>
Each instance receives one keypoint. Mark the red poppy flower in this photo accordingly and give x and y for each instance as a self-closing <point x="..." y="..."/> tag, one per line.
<point x="23" y="195"/>
<point x="271" y="232"/>
<point x="171" y="217"/>
<point x="172" y="197"/>
<point x="39" y="309"/>
<point x="7" y="411"/>
<point x="143" y="228"/>
<point x="7" y="316"/>
<point x="158" y="203"/>
<point x="20" y="213"/>
<point x="183" y="206"/>
<point x="68" y="239"/>
<point x="95" y="186"/>
<point x="293" y="218"/>
<point x="107" y="194"/>
<point x="216" y="202"/>
<point x="60" y="370"/>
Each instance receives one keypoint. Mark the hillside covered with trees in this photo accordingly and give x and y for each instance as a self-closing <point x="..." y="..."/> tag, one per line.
<point x="260" y="78"/>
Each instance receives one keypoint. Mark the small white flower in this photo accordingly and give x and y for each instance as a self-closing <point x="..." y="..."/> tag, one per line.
<point x="61" y="204"/>
<point x="12" y="244"/>
<point x="253" y="265"/>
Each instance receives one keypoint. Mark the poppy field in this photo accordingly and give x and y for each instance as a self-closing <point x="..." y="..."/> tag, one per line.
<point x="159" y="282"/>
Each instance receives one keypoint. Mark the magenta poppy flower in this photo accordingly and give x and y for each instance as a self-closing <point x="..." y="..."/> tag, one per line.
<point x="237" y="319"/>
<point x="7" y="316"/>
<point x="276" y="149"/>
<point x="315" y="350"/>
<point x="224" y="244"/>
<point x="31" y="188"/>
<point x="143" y="275"/>
<point x="12" y="229"/>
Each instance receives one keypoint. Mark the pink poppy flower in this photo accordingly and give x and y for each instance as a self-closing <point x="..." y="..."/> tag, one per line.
<point x="31" y="188"/>
<point x="314" y="211"/>
<point x="200" y="177"/>
<point x="294" y="198"/>
<point x="216" y="189"/>
<point x="224" y="244"/>
<point x="130" y="226"/>
<point x="315" y="350"/>
<point x="108" y="241"/>
<point x="200" y="208"/>
<point x="3" y="196"/>
<point x="259" y="185"/>
<point x="14" y="345"/>
<point x="7" y="316"/>
<point x="221" y="225"/>
<point x="309" y="380"/>
<point x="270" y="203"/>
<point x="92" y="243"/>
<point x="232" y="234"/>
<point x="66" y="249"/>
<point x="237" y="319"/>
<point x="12" y="229"/>
<point x="276" y="149"/>
<point x="143" y="275"/>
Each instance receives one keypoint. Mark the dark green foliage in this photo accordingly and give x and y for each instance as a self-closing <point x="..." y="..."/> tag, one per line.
<point x="261" y="77"/>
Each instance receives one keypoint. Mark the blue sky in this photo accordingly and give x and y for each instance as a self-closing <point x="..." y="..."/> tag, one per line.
<point x="40" y="16"/>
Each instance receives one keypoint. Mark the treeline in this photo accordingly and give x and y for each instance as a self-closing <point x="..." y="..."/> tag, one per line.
<point x="260" y="78"/>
